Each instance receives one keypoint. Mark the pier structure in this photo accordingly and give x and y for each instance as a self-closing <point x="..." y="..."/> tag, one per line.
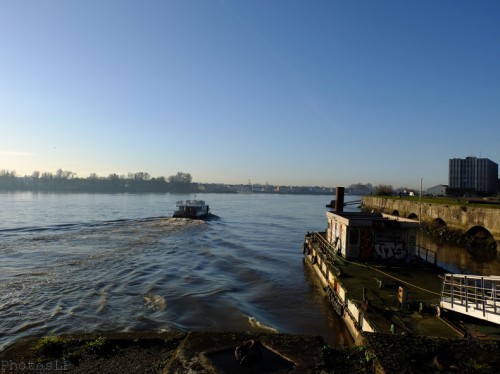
<point x="472" y="295"/>
<point x="460" y="216"/>
<point x="373" y="297"/>
<point x="370" y="269"/>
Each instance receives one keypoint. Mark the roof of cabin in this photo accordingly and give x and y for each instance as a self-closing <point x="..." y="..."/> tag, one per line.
<point x="367" y="219"/>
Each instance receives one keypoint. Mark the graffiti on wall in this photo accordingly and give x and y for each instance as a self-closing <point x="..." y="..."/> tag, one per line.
<point x="390" y="250"/>
<point x="365" y="247"/>
<point x="412" y="243"/>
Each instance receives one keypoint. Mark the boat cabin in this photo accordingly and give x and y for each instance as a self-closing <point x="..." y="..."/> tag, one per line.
<point x="191" y="209"/>
<point x="377" y="236"/>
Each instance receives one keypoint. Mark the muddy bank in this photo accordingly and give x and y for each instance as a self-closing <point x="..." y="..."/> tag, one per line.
<point x="234" y="352"/>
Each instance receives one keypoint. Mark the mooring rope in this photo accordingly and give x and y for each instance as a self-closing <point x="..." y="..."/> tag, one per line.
<point x="393" y="277"/>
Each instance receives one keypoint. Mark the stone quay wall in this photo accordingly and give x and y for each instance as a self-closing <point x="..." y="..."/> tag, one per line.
<point x="461" y="217"/>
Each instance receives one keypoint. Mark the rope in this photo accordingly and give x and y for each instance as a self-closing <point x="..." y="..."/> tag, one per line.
<point x="393" y="277"/>
<point x="323" y="241"/>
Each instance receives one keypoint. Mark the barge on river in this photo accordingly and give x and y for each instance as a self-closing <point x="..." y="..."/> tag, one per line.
<point x="369" y="268"/>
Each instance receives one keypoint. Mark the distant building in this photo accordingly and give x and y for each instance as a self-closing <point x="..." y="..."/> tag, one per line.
<point x="439" y="190"/>
<point x="473" y="175"/>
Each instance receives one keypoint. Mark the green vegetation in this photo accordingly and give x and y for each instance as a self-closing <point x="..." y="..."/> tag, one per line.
<point x="84" y="351"/>
<point x="96" y="346"/>
<point x="58" y="347"/>
<point x="52" y="346"/>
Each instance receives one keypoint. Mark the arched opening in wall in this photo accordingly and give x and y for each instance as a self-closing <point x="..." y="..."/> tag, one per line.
<point x="395" y="213"/>
<point x="479" y="239"/>
<point x="413" y="216"/>
<point x="437" y="223"/>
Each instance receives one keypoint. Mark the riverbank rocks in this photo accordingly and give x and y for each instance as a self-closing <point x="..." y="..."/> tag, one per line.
<point x="418" y="354"/>
<point x="223" y="352"/>
<point x="165" y="353"/>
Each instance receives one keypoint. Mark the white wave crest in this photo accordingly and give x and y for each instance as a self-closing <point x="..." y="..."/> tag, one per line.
<point x="154" y="302"/>
<point x="103" y="301"/>
<point x="256" y="324"/>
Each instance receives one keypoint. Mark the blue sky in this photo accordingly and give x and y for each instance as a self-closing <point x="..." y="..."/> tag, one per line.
<point x="285" y="92"/>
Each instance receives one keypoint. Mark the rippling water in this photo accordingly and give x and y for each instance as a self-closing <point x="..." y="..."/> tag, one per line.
<point x="97" y="262"/>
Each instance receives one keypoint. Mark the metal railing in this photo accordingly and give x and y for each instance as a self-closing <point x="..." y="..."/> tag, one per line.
<point x="190" y="203"/>
<point x="427" y="255"/>
<point x="473" y="295"/>
<point x="326" y="250"/>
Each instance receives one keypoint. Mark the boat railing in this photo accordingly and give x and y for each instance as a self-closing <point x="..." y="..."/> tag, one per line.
<point x="327" y="250"/>
<point x="427" y="255"/>
<point x="190" y="203"/>
<point x="473" y="295"/>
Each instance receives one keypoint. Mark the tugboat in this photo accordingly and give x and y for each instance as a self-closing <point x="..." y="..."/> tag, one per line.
<point x="194" y="209"/>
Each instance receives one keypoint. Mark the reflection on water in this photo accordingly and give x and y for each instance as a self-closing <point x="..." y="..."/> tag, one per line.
<point x="477" y="261"/>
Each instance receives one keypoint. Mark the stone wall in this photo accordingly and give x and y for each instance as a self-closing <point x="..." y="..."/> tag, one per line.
<point x="461" y="217"/>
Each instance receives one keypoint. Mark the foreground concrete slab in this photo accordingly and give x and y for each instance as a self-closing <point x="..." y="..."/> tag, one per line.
<point x="209" y="352"/>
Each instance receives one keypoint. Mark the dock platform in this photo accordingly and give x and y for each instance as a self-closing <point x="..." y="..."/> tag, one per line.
<point x="381" y="297"/>
<point x="472" y="295"/>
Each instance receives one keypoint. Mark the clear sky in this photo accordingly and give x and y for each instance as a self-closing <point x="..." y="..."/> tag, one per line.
<point x="286" y="92"/>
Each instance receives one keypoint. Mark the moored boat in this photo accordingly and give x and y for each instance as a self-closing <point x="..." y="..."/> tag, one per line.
<point x="373" y="274"/>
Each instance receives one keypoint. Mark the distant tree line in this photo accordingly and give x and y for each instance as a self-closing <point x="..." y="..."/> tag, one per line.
<point x="360" y="189"/>
<point x="387" y="190"/>
<point x="67" y="181"/>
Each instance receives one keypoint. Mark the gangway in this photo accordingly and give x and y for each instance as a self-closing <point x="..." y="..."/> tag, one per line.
<point x="472" y="295"/>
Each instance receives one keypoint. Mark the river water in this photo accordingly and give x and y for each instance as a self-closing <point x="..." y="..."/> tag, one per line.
<point x="476" y="261"/>
<point x="104" y="262"/>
